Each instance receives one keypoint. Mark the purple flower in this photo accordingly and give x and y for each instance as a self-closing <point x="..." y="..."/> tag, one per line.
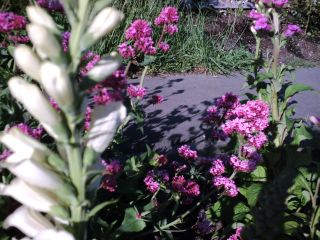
<point x="87" y="119"/>
<point x="6" y="153"/>
<point x="113" y="167"/>
<point x="230" y="188"/>
<point x="156" y="99"/>
<point x="291" y="30"/>
<point x="168" y="15"/>
<point x="126" y="51"/>
<point x="171" y="29"/>
<point x="92" y="59"/>
<point x="109" y="183"/>
<point x="138" y="29"/>
<point x="262" y="24"/>
<point x="242" y="165"/>
<point x="237" y="235"/>
<point x="186" y="187"/>
<point x="51" y="5"/>
<point x="10" y="21"/>
<point x="279" y="3"/>
<point x="136" y="91"/>
<point x="185" y="152"/>
<point x="164" y="47"/>
<point x="145" y="45"/>
<point x="217" y="168"/>
<point x="65" y="41"/>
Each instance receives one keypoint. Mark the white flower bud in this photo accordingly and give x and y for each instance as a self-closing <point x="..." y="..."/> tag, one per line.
<point x="315" y="120"/>
<point x="45" y="42"/>
<point x="104" y="124"/>
<point x="28" y="61"/>
<point x="54" y="235"/>
<point x="106" y="20"/>
<point x="104" y="68"/>
<point x="39" y="16"/>
<point x="57" y="84"/>
<point x="253" y="30"/>
<point x="28" y="195"/>
<point x="32" y="172"/>
<point x="19" y="142"/>
<point x="36" y="103"/>
<point x="30" y="222"/>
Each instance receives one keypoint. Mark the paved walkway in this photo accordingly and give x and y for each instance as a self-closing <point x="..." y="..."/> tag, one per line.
<point x="178" y="118"/>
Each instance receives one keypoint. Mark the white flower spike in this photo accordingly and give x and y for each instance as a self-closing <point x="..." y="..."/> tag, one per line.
<point x="28" y="61"/>
<point x="104" y="124"/>
<point x="28" y="195"/>
<point x="54" y="235"/>
<point x="39" y="16"/>
<point x="30" y="222"/>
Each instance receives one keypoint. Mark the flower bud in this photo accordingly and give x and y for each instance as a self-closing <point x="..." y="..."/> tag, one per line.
<point x="54" y="235"/>
<point x="28" y="195"/>
<point x="315" y="120"/>
<point x="37" y="104"/>
<point x="45" y="42"/>
<point x="28" y="61"/>
<point x="253" y="30"/>
<point x="103" y="23"/>
<point x="104" y="123"/>
<point x="39" y="16"/>
<point x="104" y="68"/>
<point x="30" y="222"/>
<point x="57" y="84"/>
<point x="32" y="172"/>
<point x="19" y="142"/>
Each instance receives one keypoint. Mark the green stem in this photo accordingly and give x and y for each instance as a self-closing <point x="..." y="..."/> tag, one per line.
<point x="143" y="75"/>
<point x="127" y="68"/>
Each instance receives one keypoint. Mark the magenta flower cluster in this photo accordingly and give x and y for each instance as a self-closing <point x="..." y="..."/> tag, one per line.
<point x="276" y="3"/>
<point x="154" y="178"/>
<point x="32" y="132"/>
<point x="51" y="5"/>
<point x="291" y="30"/>
<point x="186" y="152"/>
<point x="249" y="120"/>
<point x="136" y="91"/>
<point x="260" y="21"/>
<point x="139" y="39"/>
<point x="112" y="169"/>
<point x="10" y="21"/>
<point x="237" y="235"/>
<point x="228" y="185"/>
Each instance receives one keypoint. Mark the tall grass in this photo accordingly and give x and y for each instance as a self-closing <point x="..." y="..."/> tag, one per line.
<point x="191" y="48"/>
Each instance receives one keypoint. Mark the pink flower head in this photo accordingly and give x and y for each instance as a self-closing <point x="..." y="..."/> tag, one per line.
<point x="103" y="97"/>
<point x="10" y="21"/>
<point x="54" y="104"/>
<point x="279" y="3"/>
<point x="138" y="29"/>
<point x="267" y="1"/>
<point x="188" y="188"/>
<point x="65" y="41"/>
<point x="230" y="188"/>
<point x="109" y="183"/>
<point x="126" y="51"/>
<point x="164" y="47"/>
<point x="262" y="24"/>
<point x="227" y="101"/>
<point x="145" y="45"/>
<point x="258" y="140"/>
<point x="136" y="91"/>
<point x="168" y="15"/>
<point x="32" y="132"/>
<point x="87" y="119"/>
<point x="150" y="182"/>
<point x="18" y="39"/>
<point x="92" y="59"/>
<point x="237" y="235"/>
<point x="291" y="30"/>
<point x="113" y="167"/>
<point x="217" y="168"/>
<point x="156" y="99"/>
<point x="171" y="29"/>
<point x="185" y="152"/>
<point x="255" y="15"/>
<point x="242" y="165"/>
<point x="51" y="5"/>
<point x="162" y="160"/>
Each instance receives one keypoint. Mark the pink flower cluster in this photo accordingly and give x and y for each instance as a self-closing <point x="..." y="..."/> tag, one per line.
<point x="217" y="168"/>
<point x="230" y="188"/>
<point x="32" y="132"/>
<point x="92" y="59"/>
<point x="112" y="168"/>
<point x="65" y="41"/>
<point x="16" y="39"/>
<point x="139" y="35"/>
<point x="292" y="30"/>
<point x="188" y="188"/>
<point x="10" y="22"/>
<point x="136" y="91"/>
<point x="87" y="118"/>
<point x="276" y="3"/>
<point x="51" y="5"/>
<point x="249" y="120"/>
<point x="5" y="154"/>
<point x="154" y="178"/>
<point x="186" y="152"/>
<point x="156" y="99"/>
<point x="260" y="20"/>
<point x="237" y="235"/>
<point x="104" y="96"/>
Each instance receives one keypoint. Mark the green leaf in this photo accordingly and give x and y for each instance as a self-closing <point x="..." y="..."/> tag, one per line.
<point x="260" y="174"/>
<point x="296" y="88"/>
<point x="290" y="227"/>
<point x="148" y="59"/>
<point x="300" y="134"/>
<point x="253" y="193"/>
<point x="131" y="223"/>
<point x="240" y="211"/>
<point x="90" y="157"/>
<point x="99" y="207"/>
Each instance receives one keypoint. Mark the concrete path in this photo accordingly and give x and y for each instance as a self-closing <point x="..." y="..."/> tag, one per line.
<point x="178" y="118"/>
